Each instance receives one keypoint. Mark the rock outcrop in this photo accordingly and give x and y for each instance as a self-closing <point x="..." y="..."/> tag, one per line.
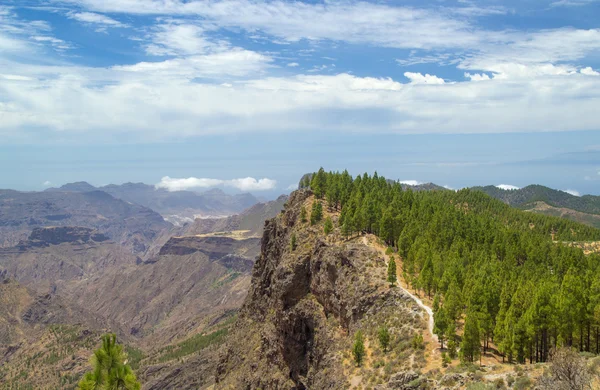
<point x="56" y="235"/>
<point x="303" y="306"/>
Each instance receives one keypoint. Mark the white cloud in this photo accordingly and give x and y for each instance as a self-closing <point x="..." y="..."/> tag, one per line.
<point x="252" y="184"/>
<point x="47" y="183"/>
<point x="589" y="71"/>
<point x="292" y="187"/>
<point x="507" y="187"/>
<point x="477" y="76"/>
<point x="355" y="22"/>
<point x="571" y="3"/>
<point x="573" y="192"/>
<point x="233" y="62"/>
<point x="411" y="182"/>
<point x="293" y="64"/>
<point x="99" y="20"/>
<point x="162" y="100"/>
<point x="243" y="184"/>
<point x="418" y="78"/>
<point x="178" y="39"/>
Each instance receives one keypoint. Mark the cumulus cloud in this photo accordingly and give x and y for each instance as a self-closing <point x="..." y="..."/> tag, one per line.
<point x="293" y="64"/>
<point x="206" y="85"/>
<point x="47" y="183"/>
<point x="292" y="187"/>
<point x="507" y="187"/>
<point x="477" y="76"/>
<point x="242" y="184"/>
<point x="572" y="192"/>
<point x="411" y="182"/>
<point x="418" y="78"/>
<point x="173" y="38"/>
<point x="589" y="71"/>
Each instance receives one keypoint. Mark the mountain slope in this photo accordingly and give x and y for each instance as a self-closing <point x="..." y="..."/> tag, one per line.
<point x="250" y="221"/>
<point x="130" y="225"/>
<point x="526" y="196"/>
<point x="177" y="207"/>
<point x="543" y="200"/>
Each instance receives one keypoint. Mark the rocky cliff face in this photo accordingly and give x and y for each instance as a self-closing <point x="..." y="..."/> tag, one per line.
<point x="57" y="235"/>
<point x="294" y="330"/>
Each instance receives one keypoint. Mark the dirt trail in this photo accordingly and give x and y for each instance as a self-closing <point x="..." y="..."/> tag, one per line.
<point x="430" y="323"/>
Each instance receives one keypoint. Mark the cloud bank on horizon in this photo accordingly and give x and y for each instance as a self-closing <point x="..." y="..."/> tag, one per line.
<point x="100" y="70"/>
<point x="242" y="184"/>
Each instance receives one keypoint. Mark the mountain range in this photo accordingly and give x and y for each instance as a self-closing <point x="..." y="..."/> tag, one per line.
<point x="177" y="207"/>
<point x="189" y="302"/>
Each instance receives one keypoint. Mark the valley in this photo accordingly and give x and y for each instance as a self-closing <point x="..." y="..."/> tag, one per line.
<point x="238" y="302"/>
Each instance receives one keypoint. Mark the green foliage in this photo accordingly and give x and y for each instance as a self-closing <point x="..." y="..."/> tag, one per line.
<point x="318" y="183"/>
<point x="391" y="271"/>
<point x="316" y="213"/>
<point x="480" y="255"/>
<point x="418" y="342"/>
<point x="470" y="347"/>
<point x="441" y="323"/>
<point x="303" y="214"/>
<point x="383" y="334"/>
<point x="451" y="337"/>
<point x="293" y="242"/>
<point x="446" y="360"/>
<point x="328" y="226"/>
<point x="109" y="369"/>
<point x="192" y="345"/>
<point x="389" y="251"/>
<point x="358" y="349"/>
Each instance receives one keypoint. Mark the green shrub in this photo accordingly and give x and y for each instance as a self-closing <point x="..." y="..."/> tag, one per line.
<point x="522" y="383"/>
<point x="417" y="342"/>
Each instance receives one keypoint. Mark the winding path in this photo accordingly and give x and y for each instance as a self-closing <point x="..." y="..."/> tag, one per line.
<point x="430" y="323"/>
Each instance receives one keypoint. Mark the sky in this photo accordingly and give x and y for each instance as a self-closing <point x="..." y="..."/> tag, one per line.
<point x="249" y="95"/>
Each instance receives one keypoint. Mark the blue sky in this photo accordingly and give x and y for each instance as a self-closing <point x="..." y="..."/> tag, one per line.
<point x="457" y="92"/>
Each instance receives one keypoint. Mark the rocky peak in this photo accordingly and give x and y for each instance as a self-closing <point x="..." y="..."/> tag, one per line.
<point x="305" y="304"/>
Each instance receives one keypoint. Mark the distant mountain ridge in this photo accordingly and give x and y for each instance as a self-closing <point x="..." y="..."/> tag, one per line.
<point x="177" y="207"/>
<point x="128" y="224"/>
<point x="537" y="193"/>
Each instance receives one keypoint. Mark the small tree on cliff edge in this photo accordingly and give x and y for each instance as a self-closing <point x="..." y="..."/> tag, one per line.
<point x="391" y="276"/>
<point x="316" y="214"/>
<point x="358" y="350"/>
<point x="303" y="214"/>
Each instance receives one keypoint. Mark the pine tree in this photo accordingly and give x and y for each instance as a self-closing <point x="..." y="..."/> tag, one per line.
<point x="316" y="213"/>
<point x="110" y="371"/>
<point x="328" y="226"/>
<point x="451" y="337"/>
<point x="391" y="271"/>
<point x="441" y="325"/>
<point x="469" y="347"/>
<point x="453" y="302"/>
<point x="384" y="337"/>
<point x="346" y="229"/>
<point x="303" y="214"/>
<point x="358" y="349"/>
<point x="319" y="183"/>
